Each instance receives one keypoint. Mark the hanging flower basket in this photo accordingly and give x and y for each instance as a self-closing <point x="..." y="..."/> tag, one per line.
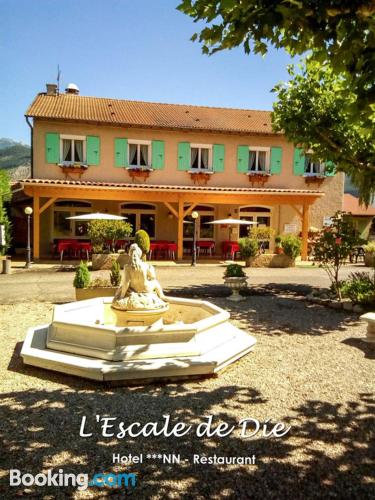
<point x="314" y="179"/>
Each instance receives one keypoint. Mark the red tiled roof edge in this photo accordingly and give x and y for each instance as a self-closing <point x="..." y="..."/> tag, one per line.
<point x="166" y="187"/>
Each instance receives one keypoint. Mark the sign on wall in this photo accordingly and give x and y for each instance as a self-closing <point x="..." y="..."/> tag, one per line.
<point x="290" y="228"/>
<point x="2" y="235"/>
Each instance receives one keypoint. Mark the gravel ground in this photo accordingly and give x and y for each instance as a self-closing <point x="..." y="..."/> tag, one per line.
<point x="310" y="369"/>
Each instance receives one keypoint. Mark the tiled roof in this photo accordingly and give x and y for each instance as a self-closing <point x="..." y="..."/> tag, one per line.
<point x="351" y="204"/>
<point x="165" y="187"/>
<point x="149" y="114"/>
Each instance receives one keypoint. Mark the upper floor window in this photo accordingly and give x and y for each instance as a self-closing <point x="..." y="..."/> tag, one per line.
<point x="72" y="149"/>
<point x="313" y="167"/>
<point x="201" y="157"/>
<point x="139" y="154"/>
<point x="259" y="159"/>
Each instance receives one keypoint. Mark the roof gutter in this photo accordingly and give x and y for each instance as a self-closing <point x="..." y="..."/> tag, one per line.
<point x="31" y="144"/>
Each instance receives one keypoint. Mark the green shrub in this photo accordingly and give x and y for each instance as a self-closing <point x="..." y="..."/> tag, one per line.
<point x="101" y="231"/>
<point x="370" y="247"/>
<point x="278" y="240"/>
<point x="82" y="276"/>
<point x="291" y="245"/>
<point x="143" y="241"/>
<point x="234" y="271"/>
<point x="359" y="288"/>
<point x="248" y="247"/>
<point x="115" y="275"/>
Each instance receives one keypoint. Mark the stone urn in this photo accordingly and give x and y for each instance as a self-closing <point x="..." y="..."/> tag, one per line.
<point x="235" y="283"/>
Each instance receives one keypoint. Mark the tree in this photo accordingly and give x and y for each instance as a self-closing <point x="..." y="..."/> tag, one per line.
<point x="334" y="246"/>
<point x="313" y="110"/>
<point x="340" y="32"/>
<point x="5" y="196"/>
<point x="339" y="36"/>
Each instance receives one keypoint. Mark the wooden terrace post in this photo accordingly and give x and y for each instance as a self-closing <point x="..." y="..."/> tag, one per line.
<point x="180" y="230"/>
<point x="305" y="230"/>
<point x="36" y="226"/>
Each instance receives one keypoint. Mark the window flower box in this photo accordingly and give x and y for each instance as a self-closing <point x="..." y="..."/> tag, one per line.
<point x="201" y="176"/>
<point x="73" y="168"/>
<point x="314" y="178"/>
<point x="139" y="173"/>
<point x="258" y="177"/>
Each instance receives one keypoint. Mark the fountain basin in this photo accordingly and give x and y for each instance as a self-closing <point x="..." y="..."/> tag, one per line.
<point x="91" y="339"/>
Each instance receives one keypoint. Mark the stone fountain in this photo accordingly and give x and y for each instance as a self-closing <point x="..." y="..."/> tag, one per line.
<point x="139" y="335"/>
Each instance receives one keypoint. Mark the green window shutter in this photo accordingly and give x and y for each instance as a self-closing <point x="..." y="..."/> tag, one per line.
<point x="276" y="157"/>
<point x="52" y="147"/>
<point x="330" y="169"/>
<point x="299" y="162"/>
<point x="243" y="159"/>
<point x="93" y="150"/>
<point x="157" y="155"/>
<point x="121" y="152"/>
<point x="218" y="155"/>
<point x="183" y="156"/>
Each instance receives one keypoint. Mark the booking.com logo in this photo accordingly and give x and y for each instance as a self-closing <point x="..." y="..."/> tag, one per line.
<point x="81" y="481"/>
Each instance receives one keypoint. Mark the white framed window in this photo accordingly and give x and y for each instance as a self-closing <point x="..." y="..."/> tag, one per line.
<point x="62" y="227"/>
<point x="261" y="215"/>
<point x="204" y="231"/>
<point x="140" y="216"/>
<point x="313" y="167"/>
<point x="259" y="159"/>
<point x="72" y="149"/>
<point x="139" y="154"/>
<point x="200" y="157"/>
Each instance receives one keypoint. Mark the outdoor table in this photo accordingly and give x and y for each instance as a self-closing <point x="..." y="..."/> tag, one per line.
<point x="208" y="246"/>
<point x="168" y="247"/>
<point x="172" y="250"/>
<point x="73" y="246"/>
<point x="81" y="246"/>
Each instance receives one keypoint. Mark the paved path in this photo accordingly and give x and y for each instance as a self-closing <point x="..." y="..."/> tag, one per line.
<point x="51" y="285"/>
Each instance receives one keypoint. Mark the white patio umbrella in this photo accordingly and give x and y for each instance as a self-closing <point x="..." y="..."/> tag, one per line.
<point x="232" y="222"/>
<point x="97" y="216"/>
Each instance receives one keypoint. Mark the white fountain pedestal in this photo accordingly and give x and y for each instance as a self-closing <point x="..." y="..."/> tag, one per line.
<point x="92" y="340"/>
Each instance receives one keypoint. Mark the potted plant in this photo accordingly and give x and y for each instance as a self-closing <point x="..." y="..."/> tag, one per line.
<point x="81" y="280"/>
<point x="99" y="287"/>
<point x="291" y="246"/>
<point x="278" y="245"/>
<point x="248" y="249"/>
<point x="370" y="254"/>
<point x="104" y="235"/>
<point x="235" y="279"/>
<point x="143" y="241"/>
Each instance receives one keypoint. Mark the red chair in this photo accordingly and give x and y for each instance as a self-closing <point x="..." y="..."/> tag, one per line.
<point x="230" y="248"/>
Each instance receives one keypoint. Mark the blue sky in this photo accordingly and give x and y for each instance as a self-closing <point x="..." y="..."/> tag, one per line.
<point x="123" y="49"/>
